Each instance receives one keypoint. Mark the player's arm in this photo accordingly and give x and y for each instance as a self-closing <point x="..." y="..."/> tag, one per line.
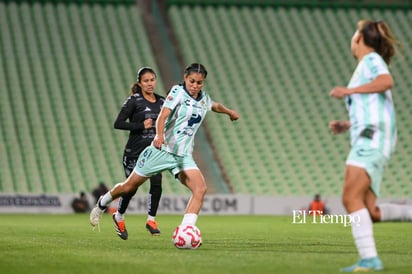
<point x="380" y="84"/>
<point x="159" y="139"/>
<point x="123" y="122"/>
<point x="220" y="108"/>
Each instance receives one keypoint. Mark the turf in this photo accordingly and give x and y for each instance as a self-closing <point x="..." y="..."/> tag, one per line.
<point x="231" y="244"/>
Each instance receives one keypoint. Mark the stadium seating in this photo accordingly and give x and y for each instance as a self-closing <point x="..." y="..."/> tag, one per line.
<point x="276" y="65"/>
<point x="66" y="68"/>
<point x="66" y="71"/>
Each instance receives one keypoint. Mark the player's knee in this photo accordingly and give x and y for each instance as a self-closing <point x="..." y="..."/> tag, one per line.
<point x="200" y="189"/>
<point x="350" y="201"/>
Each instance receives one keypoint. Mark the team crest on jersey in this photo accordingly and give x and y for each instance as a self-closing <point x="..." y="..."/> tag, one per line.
<point x="170" y="98"/>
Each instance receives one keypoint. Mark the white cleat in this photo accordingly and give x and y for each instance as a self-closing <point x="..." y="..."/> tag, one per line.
<point x="96" y="214"/>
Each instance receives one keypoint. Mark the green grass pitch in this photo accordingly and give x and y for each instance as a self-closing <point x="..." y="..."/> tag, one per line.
<point x="231" y="244"/>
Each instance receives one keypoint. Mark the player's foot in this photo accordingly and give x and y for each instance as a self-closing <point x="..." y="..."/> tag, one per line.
<point x="96" y="214"/>
<point x="151" y="226"/>
<point x="120" y="227"/>
<point x="365" y="265"/>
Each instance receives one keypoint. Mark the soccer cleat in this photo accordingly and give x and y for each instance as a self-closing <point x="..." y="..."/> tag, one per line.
<point x="365" y="265"/>
<point x="120" y="227"/>
<point x="96" y="214"/>
<point x="151" y="226"/>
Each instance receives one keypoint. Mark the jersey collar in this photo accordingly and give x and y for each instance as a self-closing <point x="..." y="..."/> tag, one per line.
<point x="198" y="97"/>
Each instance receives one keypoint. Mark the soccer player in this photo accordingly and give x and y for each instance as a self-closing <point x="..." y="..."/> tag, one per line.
<point x="138" y="115"/>
<point x="182" y="113"/>
<point x="372" y="127"/>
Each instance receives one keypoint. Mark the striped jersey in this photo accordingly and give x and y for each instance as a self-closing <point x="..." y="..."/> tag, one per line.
<point x="372" y="115"/>
<point x="184" y="120"/>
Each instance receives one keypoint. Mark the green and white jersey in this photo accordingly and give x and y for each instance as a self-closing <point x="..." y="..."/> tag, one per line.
<point x="372" y="115"/>
<point x="185" y="119"/>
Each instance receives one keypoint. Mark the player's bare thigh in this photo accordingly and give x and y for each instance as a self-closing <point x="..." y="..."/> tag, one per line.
<point x="357" y="184"/>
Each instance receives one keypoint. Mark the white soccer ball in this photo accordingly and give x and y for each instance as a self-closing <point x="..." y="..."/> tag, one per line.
<point x="187" y="237"/>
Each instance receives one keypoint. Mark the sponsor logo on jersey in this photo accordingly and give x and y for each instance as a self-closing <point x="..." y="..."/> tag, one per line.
<point x="195" y="119"/>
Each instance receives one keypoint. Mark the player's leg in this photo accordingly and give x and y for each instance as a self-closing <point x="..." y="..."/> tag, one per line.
<point x="395" y="212"/>
<point x="195" y="181"/>
<point x="123" y="204"/>
<point x="356" y="185"/>
<point x="389" y="211"/>
<point x="131" y="184"/>
<point x="153" y="200"/>
<point x="128" y="165"/>
<point x="370" y="202"/>
<point x="150" y="162"/>
<point x="355" y="191"/>
<point x="118" y="217"/>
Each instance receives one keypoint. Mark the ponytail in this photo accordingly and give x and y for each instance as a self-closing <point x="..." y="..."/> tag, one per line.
<point x="377" y="35"/>
<point x="135" y="88"/>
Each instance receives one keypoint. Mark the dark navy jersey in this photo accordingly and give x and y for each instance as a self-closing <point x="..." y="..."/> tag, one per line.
<point x="131" y="117"/>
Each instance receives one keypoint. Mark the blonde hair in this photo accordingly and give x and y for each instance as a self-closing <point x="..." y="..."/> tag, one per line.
<point x="377" y="35"/>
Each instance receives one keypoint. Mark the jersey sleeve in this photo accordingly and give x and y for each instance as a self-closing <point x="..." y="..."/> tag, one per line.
<point x="123" y="118"/>
<point x="376" y="66"/>
<point x="174" y="97"/>
<point x="210" y="102"/>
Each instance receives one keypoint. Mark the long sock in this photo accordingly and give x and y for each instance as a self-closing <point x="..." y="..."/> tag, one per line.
<point x="394" y="212"/>
<point x="189" y="219"/>
<point x="106" y="200"/>
<point x="119" y="216"/>
<point x="155" y="192"/>
<point x="362" y="231"/>
<point x="151" y="218"/>
<point x="124" y="202"/>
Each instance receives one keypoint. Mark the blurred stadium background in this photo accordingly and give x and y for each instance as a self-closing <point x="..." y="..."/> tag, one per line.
<point x="66" y="68"/>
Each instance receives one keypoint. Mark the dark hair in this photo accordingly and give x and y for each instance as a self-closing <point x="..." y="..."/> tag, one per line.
<point x="377" y="35"/>
<point x="195" y="67"/>
<point x="135" y="88"/>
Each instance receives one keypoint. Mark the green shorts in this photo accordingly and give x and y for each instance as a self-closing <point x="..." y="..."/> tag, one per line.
<point x="372" y="160"/>
<point x="152" y="161"/>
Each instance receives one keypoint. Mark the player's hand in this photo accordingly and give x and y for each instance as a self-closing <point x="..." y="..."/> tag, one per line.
<point x="158" y="141"/>
<point x="148" y="123"/>
<point x="338" y="127"/>
<point x="339" y="92"/>
<point x="233" y="115"/>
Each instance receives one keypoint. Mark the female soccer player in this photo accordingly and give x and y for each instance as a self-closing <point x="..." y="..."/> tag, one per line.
<point x="182" y="113"/>
<point x="138" y="115"/>
<point x="372" y="128"/>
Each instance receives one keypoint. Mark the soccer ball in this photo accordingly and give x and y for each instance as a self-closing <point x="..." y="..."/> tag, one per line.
<point x="187" y="237"/>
